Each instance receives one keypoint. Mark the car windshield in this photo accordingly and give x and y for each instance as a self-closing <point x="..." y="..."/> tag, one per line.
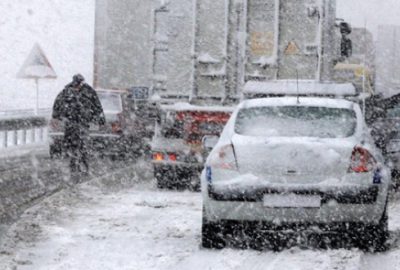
<point x="111" y="102"/>
<point x="296" y="121"/>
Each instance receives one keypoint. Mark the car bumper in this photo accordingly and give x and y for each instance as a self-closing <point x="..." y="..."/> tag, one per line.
<point x="178" y="169"/>
<point x="364" y="204"/>
<point x="328" y="213"/>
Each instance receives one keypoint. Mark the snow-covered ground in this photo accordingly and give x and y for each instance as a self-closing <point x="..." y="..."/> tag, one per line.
<point x="140" y="227"/>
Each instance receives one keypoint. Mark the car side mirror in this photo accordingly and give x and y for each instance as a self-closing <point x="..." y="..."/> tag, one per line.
<point x="209" y="141"/>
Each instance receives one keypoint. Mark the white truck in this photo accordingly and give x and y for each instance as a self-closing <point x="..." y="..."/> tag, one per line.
<point x="207" y="50"/>
<point x="205" y="53"/>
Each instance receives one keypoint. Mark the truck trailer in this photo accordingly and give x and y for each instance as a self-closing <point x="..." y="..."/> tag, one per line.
<point x="204" y="53"/>
<point x="209" y="54"/>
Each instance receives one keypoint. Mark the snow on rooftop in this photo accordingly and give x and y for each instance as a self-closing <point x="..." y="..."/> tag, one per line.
<point x="294" y="101"/>
<point x="207" y="59"/>
<point x="302" y="87"/>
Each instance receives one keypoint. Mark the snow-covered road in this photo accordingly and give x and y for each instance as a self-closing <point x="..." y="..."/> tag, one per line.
<point x="141" y="228"/>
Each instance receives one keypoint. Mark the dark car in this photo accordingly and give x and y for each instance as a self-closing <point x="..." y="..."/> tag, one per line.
<point x="120" y="137"/>
<point x="178" y="153"/>
<point x="383" y="117"/>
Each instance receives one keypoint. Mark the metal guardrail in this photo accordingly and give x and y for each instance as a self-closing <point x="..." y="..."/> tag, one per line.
<point x="12" y="114"/>
<point x="21" y="131"/>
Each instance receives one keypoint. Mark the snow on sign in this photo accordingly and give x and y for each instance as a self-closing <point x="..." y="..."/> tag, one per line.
<point x="37" y="66"/>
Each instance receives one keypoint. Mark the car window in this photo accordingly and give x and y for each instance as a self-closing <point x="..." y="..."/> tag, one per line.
<point x="393" y="113"/>
<point x="296" y="121"/>
<point x="111" y="102"/>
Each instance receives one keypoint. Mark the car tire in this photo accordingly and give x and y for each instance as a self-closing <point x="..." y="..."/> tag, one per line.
<point x="373" y="238"/>
<point x="160" y="182"/>
<point x="55" y="151"/>
<point x="161" y="179"/>
<point x="395" y="179"/>
<point x="212" y="234"/>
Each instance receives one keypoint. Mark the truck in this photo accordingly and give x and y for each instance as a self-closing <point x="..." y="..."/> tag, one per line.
<point x="204" y="53"/>
<point x="383" y="108"/>
<point x="208" y="53"/>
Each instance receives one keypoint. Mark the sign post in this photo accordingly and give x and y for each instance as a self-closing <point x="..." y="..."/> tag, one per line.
<point x="36" y="67"/>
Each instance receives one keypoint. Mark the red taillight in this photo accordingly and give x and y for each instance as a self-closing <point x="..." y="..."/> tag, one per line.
<point x="172" y="157"/>
<point x="158" y="156"/>
<point x="116" y="127"/>
<point x="361" y="161"/>
<point x="224" y="158"/>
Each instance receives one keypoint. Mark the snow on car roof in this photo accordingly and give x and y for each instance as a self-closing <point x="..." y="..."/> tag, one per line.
<point x="182" y="106"/>
<point x="301" y="87"/>
<point x="301" y="101"/>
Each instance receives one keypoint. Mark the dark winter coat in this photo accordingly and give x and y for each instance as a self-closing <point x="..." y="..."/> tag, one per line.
<point x="78" y="108"/>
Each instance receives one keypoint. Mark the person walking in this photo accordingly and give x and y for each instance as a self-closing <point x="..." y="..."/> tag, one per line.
<point x="77" y="106"/>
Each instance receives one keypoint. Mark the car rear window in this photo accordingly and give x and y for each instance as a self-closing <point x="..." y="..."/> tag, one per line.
<point x="111" y="102"/>
<point x="296" y="121"/>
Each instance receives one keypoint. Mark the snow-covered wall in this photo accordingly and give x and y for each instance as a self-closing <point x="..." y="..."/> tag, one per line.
<point x="64" y="29"/>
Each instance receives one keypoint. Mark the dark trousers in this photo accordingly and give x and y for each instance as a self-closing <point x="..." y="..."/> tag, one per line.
<point x="76" y="140"/>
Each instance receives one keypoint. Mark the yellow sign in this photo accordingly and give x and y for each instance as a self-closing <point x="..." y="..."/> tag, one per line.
<point x="262" y="43"/>
<point x="292" y="48"/>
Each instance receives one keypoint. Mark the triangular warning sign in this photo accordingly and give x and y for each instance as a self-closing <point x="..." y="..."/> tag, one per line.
<point x="36" y="66"/>
<point x="292" y="48"/>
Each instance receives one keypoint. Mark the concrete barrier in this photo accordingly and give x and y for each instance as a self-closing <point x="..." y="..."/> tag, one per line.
<point x="25" y="177"/>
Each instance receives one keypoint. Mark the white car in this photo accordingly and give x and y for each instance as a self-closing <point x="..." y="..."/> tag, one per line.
<point x="296" y="164"/>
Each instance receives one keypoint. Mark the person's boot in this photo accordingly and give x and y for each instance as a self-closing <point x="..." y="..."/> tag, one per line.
<point x="74" y="168"/>
<point x="85" y="171"/>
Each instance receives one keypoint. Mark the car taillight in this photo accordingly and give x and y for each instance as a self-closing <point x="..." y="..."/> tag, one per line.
<point x="361" y="161"/>
<point x="158" y="156"/>
<point x="116" y="127"/>
<point x="224" y="158"/>
<point x="172" y="157"/>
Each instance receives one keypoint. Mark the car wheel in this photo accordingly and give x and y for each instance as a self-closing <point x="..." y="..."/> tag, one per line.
<point x="395" y="179"/>
<point x="160" y="182"/>
<point x="162" y="179"/>
<point x="55" y="151"/>
<point x="374" y="238"/>
<point x="212" y="234"/>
